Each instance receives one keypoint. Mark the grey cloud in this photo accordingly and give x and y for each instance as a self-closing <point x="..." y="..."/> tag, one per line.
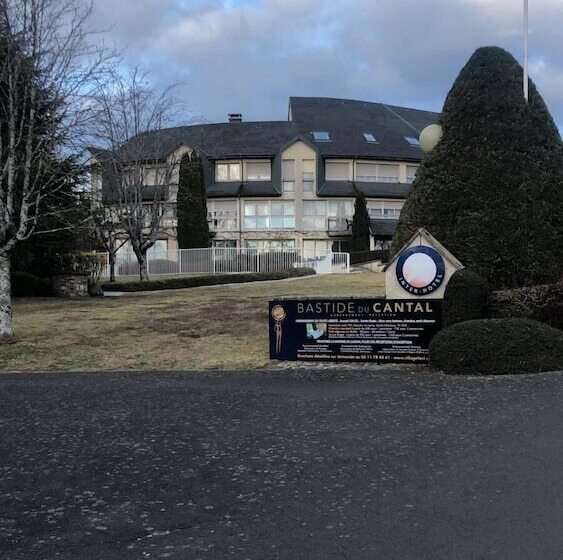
<point x="250" y="56"/>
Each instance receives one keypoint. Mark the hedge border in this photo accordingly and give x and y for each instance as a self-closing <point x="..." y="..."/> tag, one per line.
<point x="204" y="280"/>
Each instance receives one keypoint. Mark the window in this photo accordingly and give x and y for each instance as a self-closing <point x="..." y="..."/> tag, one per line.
<point x="369" y="137"/>
<point x="308" y="175"/>
<point x="225" y="244"/>
<point x="387" y="173"/>
<point x="222" y="215"/>
<point x="288" y="175"/>
<point x="270" y="244"/>
<point x="339" y="214"/>
<point x="314" y="214"/>
<point x="385" y="209"/>
<point x="257" y="171"/>
<point x="411" y="172"/>
<point x="313" y="248"/>
<point x="269" y="215"/>
<point x="337" y="171"/>
<point x="256" y="215"/>
<point x="282" y="215"/>
<point x="321" y="136"/>
<point x="228" y="171"/>
<point x="150" y="177"/>
<point x="377" y="173"/>
<point x="159" y="248"/>
<point x="413" y="141"/>
<point x="366" y="172"/>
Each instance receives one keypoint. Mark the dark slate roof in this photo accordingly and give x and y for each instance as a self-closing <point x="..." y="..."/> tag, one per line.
<point x="259" y="188"/>
<point x="337" y="188"/>
<point x="247" y="189"/>
<point x="383" y="227"/>
<point x="371" y="190"/>
<point x="346" y="120"/>
<point x="223" y="189"/>
<point x="384" y="190"/>
<point x="222" y="140"/>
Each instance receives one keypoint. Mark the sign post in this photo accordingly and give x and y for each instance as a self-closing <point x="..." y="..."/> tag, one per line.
<point x="353" y="329"/>
<point x="397" y="329"/>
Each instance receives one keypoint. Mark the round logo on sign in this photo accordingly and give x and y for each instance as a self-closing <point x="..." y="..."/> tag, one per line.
<point x="420" y="270"/>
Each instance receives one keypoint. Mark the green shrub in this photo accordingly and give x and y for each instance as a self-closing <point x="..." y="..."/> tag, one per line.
<point x="204" y="280"/>
<point x="359" y="257"/>
<point x="490" y="191"/>
<point x="497" y="346"/>
<point x="25" y="284"/>
<point x="80" y="263"/>
<point x="465" y="298"/>
<point x="543" y="303"/>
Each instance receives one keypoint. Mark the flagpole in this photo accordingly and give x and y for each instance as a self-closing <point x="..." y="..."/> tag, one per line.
<point x="526" y="50"/>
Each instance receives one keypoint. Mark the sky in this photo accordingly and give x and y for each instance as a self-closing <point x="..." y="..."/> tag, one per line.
<point x="250" y="56"/>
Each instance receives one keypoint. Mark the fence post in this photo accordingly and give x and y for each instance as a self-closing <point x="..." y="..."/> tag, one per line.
<point x="347" y="263"/>
<point x="213" y="257"/>
<point x="258" y="260"/>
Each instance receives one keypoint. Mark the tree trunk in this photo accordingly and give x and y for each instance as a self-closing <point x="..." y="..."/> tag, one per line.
<point x="111" y="256"/>
<point x="143" y="270"/>
<point x="5" y="296"/>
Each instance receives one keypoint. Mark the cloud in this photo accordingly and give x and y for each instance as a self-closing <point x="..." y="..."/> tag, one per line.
<point x="250" y="56"/>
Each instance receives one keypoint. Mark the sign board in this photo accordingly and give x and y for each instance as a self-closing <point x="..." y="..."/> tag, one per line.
<point x="421" y="269"/>
<point x="350" y="329"/>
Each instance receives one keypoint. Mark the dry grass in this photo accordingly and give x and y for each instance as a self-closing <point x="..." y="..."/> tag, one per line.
<point x="210" y="327"/>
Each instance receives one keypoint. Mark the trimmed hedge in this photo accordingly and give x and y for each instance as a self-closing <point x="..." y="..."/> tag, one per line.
<point x="204" y="280"/>
<point x="543" y="303"/>
<point x="359" y="257"/>
<point x="25" y="284"/>
<point x="465" y="298"/>
<point x="497" y="347"/>
<point x="490" y="190"/>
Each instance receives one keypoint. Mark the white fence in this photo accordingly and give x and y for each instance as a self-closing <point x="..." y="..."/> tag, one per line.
<point x="218" y="260"/>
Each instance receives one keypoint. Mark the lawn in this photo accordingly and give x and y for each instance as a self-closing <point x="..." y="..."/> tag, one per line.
<point x="212" y="327"/>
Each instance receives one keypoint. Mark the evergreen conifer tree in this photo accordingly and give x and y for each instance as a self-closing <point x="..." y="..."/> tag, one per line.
<point x="193" y="228"/>
<point x="360" y="225"/>
<point x="491" y="190"/>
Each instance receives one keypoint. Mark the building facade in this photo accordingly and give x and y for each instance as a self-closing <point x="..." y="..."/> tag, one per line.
<point x="292" y="184"/>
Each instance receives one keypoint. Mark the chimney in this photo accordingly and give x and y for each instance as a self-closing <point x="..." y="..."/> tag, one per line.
<point x="235" y="117"/>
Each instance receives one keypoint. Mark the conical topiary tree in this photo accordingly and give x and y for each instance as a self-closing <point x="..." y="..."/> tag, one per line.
<point x="360" y="225"/>
<point x="491" y="190"/>
<point x="193" y="228"/>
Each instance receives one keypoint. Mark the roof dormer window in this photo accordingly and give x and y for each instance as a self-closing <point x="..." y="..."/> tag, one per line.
<point x="320" y="136"/>
<point x="413" y="141"/>
<point x="369" y="137"/>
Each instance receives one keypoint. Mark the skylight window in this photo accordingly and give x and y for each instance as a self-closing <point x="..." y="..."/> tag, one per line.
<point x="321" y="136"/>
<point x="369" y="137"/>
<point x="413" y="141"/>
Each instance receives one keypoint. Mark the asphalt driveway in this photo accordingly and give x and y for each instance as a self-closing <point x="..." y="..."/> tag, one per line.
<point x="250" y="466"/>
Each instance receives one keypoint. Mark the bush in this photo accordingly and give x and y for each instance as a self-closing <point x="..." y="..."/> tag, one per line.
<point x="497" y="346"/>
<point x="465" y="298"/>
<point x="543" y="303"/>
<point x="80" y="263"/>
<point x="25" y="284"/>
<point x="204" y="280"/>
<point x="359" y="257"/>
<point x="490" y="191"/>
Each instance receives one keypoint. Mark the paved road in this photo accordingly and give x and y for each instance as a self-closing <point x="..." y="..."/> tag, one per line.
<point x="186" y="466"/>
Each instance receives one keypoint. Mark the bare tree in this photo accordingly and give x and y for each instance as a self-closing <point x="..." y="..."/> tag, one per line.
<point x="107" y="232"/>
<point x="138" y="166"/>
<point x="47" y="63"/>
